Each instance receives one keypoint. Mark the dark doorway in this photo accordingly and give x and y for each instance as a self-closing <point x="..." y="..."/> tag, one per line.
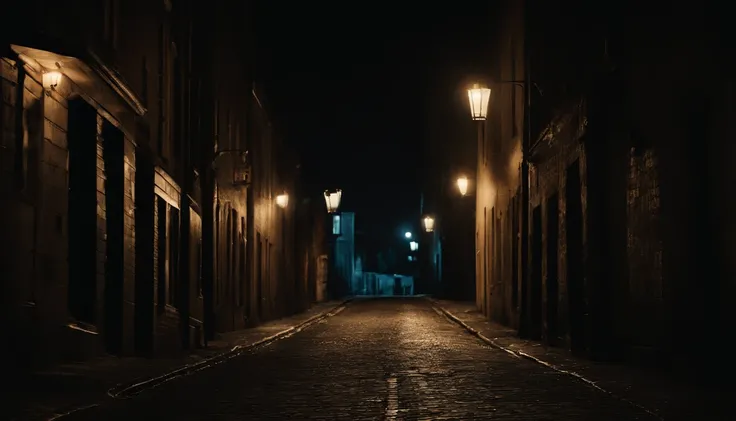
<point x="162" y="274"/>
<point x="259" y="276"/>
<point x="145" y="295"/>
<point x="113" y="155"/>
<point x="553" y="294"/>
<point x="82" y="229"/>
<point x="245" y="298"/>
<point x="535" y="293"/>
<point x="486" y="256"/>
<point x="574" y="239"/>
<point x="172" y="297"/>
<point x="515" y="257"/>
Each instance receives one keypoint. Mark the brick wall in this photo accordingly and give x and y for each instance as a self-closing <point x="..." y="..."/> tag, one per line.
<point x="645" y="250"/>
<point x="497" y="175"/>
<point x="129" y="246"/>
<point x="167" y="330"/>
<point x="101" y="248"/>
<point x="547" y="178"/>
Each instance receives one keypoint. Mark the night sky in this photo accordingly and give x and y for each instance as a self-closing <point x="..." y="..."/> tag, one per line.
<point x="347" y="88"/>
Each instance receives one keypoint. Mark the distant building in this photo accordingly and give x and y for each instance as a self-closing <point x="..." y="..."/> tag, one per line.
<point x="345" y="253"/>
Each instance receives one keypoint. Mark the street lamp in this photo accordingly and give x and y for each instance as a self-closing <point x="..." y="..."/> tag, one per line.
<point x="413" y="246"/>
<point x="407" y="234"/>
<point x="478" y="97"/>
<point x="428" y="224"/>
<point x="282" y="200"/>
<point x="462" y="185"/>
<point x="332" y="199"/>
<point x="51" y="80"/>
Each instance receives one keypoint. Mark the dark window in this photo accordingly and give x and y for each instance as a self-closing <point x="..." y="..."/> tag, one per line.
<point x="173" y="257"/>
<point x="144" y="81"/>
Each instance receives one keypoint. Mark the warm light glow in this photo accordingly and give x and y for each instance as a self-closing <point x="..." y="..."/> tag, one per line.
<point x="478" y="97"/>
<point x="407" y="234"/>
<point x="282" y="200"/>
<point x="462" y="185"/>
<point x="414" y="246"/>
<point x="51" y="80"/>
<point x="429" y="224"/>
<point x="332" y="200"/>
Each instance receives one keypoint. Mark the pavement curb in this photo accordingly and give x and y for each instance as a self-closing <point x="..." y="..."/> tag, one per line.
<point x="128" y="390"/>
<point x="523" y="355"/>
<point x="472" y="331"/>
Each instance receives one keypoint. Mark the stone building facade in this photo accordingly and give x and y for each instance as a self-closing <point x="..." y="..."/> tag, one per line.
<point x="626" y="162"/>
<point x="138" y="188"/>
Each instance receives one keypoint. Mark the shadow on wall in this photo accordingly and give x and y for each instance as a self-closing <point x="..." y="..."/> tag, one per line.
<point x="382" y="284"/>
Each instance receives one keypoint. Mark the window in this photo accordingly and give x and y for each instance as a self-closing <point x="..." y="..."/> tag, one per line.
<point x="177" y="101"/>
<point x="199" y="267"/>
<point x="111" y="22"/>
<point x="336" y="224"/>
<point x="21" y="134"/>
<point x="144" y="81"/>
<point x="168" y="106"/>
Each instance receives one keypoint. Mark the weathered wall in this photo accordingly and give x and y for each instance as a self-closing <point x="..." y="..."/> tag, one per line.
<point x="651" y="166"/>
<point x="499" y="159"/>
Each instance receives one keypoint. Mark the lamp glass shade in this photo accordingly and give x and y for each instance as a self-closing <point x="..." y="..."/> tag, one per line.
<point x="332" y="200"/>
<point x="478" y="97"/>
<point x="429" y="224"/>
<point x="51" y="79"/>
<point x="282" y="200"/>
<point x="462" y="185"/>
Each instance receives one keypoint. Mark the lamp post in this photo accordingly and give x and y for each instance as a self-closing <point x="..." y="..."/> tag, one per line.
<point x="332" y="203"/>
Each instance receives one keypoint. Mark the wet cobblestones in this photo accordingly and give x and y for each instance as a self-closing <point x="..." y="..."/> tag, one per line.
<point x="377" y="360"/>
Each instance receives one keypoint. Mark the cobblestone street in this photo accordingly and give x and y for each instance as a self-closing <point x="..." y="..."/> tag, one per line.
<point x="379" y="359"/>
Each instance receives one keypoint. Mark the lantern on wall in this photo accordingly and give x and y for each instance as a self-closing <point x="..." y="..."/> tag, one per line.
<point x="282" y="200"/>
<point x="428" y="224"/>
<point x="462" y="185"/>
<point x="332" y="200"/>
<point x="478" y="97"/>
<point x="51" y="80"/>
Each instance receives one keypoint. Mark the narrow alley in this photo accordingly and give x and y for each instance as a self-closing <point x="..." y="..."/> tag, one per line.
<point x="392" y="358"/>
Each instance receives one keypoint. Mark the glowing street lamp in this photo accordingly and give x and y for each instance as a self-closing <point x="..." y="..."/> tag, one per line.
<point x="462" y="185"/>
<point x="413" y="246"/>
<point x="407" y="234"/>
<point x="478" y="97"/>
<point x="332" y="199"/>
<point x="428" y="224"/>
<point x="282" y="200"/>
<point x="51" y="80"/>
